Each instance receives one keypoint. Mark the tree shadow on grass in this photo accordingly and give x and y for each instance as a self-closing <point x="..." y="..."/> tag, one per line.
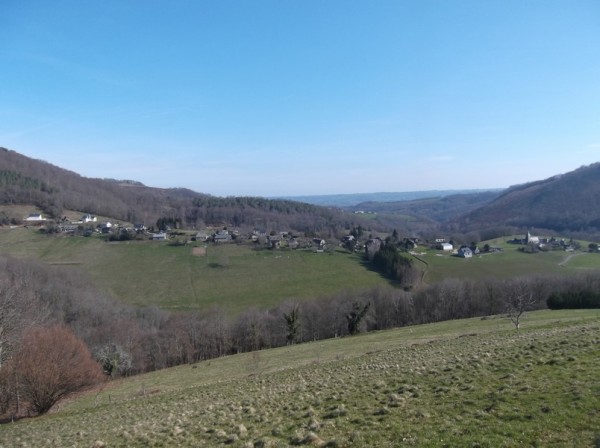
<point x="391" y="281"/>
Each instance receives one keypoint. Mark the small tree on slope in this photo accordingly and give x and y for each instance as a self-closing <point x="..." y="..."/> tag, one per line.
<point x="50" y="364"/>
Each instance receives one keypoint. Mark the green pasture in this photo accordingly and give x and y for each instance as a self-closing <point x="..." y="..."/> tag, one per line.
<point x="439" y="265"/>
<point x="474" y="382"/>
<point x="235" y="277"/>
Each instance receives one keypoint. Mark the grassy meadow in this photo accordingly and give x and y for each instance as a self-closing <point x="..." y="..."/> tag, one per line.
<point x="235" y="277"/>
<point x="506" y="264"/>
<point x="148" y="273"/>
<point x="475" y="382"/>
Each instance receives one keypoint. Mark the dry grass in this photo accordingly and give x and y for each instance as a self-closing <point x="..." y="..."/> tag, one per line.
<point x="462" y="383"/>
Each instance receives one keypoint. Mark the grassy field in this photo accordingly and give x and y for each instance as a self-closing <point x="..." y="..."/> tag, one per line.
<point x="506" y="264"/>
<point x="147" y="273"/>
<point x="475" y="382"/>
<point x="172" y="277"/>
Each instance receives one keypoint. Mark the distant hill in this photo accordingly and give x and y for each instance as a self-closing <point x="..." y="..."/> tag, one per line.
<point x="353" y="199"/>
<point x="567" y="202"/>
<point x="26" y="181"/>
<point x="439" y="209"/>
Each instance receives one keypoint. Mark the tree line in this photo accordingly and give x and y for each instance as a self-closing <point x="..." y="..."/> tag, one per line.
<point x="122" y="340"/>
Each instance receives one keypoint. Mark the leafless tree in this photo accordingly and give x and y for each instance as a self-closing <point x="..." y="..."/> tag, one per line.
<point x="518" y="299"/>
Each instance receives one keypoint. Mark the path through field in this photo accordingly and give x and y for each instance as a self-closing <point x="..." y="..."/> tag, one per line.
<point x="569" y="257"/>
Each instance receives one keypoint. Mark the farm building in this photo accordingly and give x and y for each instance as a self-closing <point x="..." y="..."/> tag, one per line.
<point x="88" y="218"/>
<point x="33" y="217"/>
<point x="465" y="252"/>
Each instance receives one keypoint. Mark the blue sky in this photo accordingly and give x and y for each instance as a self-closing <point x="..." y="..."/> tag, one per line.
<point x="303" y="97"/>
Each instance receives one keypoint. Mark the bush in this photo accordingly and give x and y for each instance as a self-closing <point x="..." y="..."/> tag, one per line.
<point x="50" y="364"/>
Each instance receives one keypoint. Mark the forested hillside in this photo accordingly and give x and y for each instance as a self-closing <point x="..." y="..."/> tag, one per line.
<point x="438" y="208"/>
<point x="563" y="203"/>
<point x="33" y="182"/>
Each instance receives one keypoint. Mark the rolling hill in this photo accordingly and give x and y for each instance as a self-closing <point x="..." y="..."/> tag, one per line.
<point x="564" y="203"/>
<point x="353" y="200"/>
<point x="436" y="208"/>
<point x="26" y="181"/>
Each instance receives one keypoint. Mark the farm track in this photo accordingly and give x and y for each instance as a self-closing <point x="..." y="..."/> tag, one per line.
<point x="569" y="257"/>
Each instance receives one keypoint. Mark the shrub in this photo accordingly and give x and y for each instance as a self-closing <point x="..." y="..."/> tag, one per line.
<point x="50" y="364"/>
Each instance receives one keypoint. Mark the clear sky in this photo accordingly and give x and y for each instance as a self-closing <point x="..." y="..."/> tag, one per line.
<point x="291" y="97"/>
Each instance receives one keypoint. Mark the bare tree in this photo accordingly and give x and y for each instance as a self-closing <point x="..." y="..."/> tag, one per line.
<point x="20" y="304"/>
<point x="519" y="299"/>
<point x="114" y="359"/>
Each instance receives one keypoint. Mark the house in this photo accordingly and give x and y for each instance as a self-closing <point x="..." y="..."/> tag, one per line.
<point x="440" y="240"/>
<point x="88" y="218"/>
<point x="274" y="241"/>
<point x="445" y="247"/>
<point x="34" y="217"/>
<point x="319" y="242"/>
<point x="530" y="239"/>
<point x="162" y="236"/>
<point x="410" y="243"/>
<point x="222" y="236"/>
<point x="201" y="236"/>
<point x="348" y="239"/>
<point x="293" y="243"/>
<point x="465" y="252"/>
<point x="69" y="228"/>
<point x="106" y="227"/>
<point x="139" y="227"/>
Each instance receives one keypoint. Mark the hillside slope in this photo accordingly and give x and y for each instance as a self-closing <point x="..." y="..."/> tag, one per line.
<point x="34" y="182"/>
<point x="567" y="202"/>
<point x="460" y="383"/>
<point x="439" y="208"/>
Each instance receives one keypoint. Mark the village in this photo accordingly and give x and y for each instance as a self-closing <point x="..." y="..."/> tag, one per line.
<point x="88" y="224"/>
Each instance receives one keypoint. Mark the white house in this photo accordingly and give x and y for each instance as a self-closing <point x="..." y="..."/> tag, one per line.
<point x="88" y="218"/>
<point x="465" y="252"/>
<point x="530" y="239"/>
<point x="446" y="246"/>
<point x="162" y="236"/>
<point x="35" y="217"/>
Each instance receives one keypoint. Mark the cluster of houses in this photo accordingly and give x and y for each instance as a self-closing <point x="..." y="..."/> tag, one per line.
<point x="73" y="225"/>
<point x="545" y="243"/>
<point x="273" y="240"/>
<point x="464" y="251"/>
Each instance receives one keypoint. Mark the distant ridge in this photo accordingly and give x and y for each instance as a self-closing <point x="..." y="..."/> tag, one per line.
<point x="352" y="199"/>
